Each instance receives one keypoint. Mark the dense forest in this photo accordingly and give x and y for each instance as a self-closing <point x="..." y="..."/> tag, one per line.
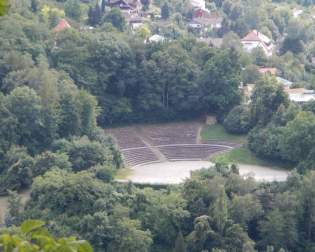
<point x="60" y="88"/>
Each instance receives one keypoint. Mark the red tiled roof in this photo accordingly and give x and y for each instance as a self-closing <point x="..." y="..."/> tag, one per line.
<point x="62" y="25"/>
<point x="295" y="90"/>
<point x="252" y="36"/>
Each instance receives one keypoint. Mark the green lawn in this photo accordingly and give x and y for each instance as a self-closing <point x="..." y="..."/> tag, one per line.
<point x="217" y="132"/>
<point x="243" y="155"/>
<point x="123" y="173"/>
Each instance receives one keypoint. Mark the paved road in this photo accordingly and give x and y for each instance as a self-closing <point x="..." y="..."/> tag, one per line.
<point x="177" y="172"/>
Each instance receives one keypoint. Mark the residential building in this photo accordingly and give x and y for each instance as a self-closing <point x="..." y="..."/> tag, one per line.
<point x="128" y="8"/>
<point x="136" y="22"/>
<point x="300" y="95"/>
<point x="198" y="4"/>
<point x="204" y="21"/>
<point x="284" y="82"/>
<point x="62" y="25"/>
<point x="124" y="4"/>
<point x="255" y="39"/>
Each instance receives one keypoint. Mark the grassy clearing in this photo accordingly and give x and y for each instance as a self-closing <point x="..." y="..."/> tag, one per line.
<point x="217" y="132"/>
<point x="123" y="173"/>
<point x="243" y="155"/>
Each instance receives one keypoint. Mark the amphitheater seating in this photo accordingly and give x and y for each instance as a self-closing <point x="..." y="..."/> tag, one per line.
<point x="216" y="142"/>
<point x="126" y="138"/>
<point x="176" y="141"/>
<point x="133" y="157"/>
<point x="174" y="133"/>
<point x="190" y="152"/>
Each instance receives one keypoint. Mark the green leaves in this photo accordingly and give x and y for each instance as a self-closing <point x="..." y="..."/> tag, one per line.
<point x="33" y="237"/>
<point x="31" y="225"/>
<point x="3" y="7"/>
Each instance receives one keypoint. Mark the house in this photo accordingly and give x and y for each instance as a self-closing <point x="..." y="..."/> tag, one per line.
<point x="62" y="25"/>
<point x="124" y="4"/>
<point x="268" y="70"/>
<point x="136" y="22"/>
<point x="255" y="39"/>
<point x="128" y="8"/>
<point x="300" y="95"/>
<point x="205" y="22"/>
<point x="201" y="13"/>
<point x="198" y="4"/>
<point x="284" y="82"/>
<point x="196" y="26"/>
<point x="213" y="21"/>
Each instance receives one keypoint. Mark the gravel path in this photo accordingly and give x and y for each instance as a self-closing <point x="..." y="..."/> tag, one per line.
<point x="177" y="172"/>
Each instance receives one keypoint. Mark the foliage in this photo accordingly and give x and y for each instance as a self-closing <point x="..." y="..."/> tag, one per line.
<point x="3" y="7"/>
<point x="220" y="82"/>
<point x="33" y="236"/>
<point x="238" y="121"/>
<point x="73" y="9"/>
<point x="266" y="99"/>
<point x="56" y="87"/>
<point x="116" y="18"/>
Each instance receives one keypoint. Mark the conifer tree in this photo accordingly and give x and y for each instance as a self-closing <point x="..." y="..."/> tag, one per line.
<point x="97" y="14"/>
<point x="91" y="16"/>
<point x="103" y="6"/>
<point x="34" y="5"/>
<point x="220" y="211"/>
<point x="165" y="11"/>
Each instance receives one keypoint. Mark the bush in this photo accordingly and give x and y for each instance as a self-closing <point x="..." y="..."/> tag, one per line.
<point x="16" y="174"/>
<point x="265" y="142"/>
<point x="48" y="160"/>
<point x="238" y="121"/>
<point x="104" y="173"/>
<point x="84" y="153"/>
<point x="33" y="236"/>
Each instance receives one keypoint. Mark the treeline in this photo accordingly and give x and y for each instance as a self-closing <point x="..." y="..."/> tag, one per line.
<point x="31" y="125"/>
<point x="39" y="106"/>
<point x="47" y="83"/>
<point x="134" y="81"/>
<point x="215" y="210"/>
<point x="278" y="129"/>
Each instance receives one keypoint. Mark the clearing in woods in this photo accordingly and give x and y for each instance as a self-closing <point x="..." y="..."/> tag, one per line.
<point x="167" y="153"/>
